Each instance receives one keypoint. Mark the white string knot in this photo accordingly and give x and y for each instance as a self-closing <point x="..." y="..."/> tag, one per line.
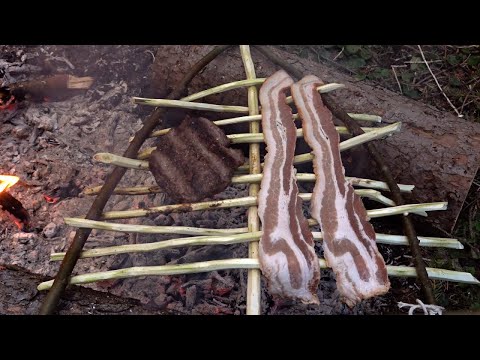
<point x="427" y="309"/>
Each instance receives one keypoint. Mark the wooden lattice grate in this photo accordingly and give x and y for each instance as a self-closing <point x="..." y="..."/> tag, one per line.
<point x="201" y="236"/>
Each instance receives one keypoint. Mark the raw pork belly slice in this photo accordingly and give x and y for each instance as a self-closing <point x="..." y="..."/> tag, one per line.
<point x="349" y="239"/>
<point x="286" y="252"/>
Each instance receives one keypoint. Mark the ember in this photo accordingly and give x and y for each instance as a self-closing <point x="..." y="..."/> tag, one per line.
<point x="50" y="199"/>
<point x="11" y="205"/>
<point x="9" y="104"/>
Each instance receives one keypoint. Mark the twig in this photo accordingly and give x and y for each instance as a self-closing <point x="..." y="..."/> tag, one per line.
<point x="190" y="105"/>
<point x="64" y="59"/>
<point x="406" y="209"/>
<point x="425" y="241"/>
<point x="125" y="162"/>
<point x="151" y="53"/>
<point x="215" y="265"/>
<point x="354" y="128"/>
<point x="471" y="87"/>
<point x="224" y="87"/>
<point x="438" y="84"/>
<point x="61" y="281"/>
<point x="396" y="78"/>
<point x="338" y="55"/>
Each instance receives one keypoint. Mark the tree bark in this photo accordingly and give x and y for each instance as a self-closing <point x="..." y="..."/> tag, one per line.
<point x="15" y="208"/>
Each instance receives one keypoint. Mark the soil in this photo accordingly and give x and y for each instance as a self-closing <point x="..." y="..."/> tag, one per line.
<point x="50" y="145"/>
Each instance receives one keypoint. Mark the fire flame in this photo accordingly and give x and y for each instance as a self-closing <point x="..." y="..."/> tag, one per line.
<point x="7" y="181"/>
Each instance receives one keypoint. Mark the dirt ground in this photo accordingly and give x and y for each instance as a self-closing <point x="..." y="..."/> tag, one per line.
<point x="50" y="145"/>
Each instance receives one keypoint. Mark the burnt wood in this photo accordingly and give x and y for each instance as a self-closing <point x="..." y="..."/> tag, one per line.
<point x="15" y="208"/>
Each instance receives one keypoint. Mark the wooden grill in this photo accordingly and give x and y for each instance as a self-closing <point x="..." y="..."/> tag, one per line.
<point x="251" y="174"/>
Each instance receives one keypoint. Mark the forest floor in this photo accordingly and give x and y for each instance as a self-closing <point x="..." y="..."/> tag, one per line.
<point x="57" y="156"/>
<point x="401" y="68"/>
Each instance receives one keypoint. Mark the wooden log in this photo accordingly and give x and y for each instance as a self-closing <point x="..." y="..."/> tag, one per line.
<point x="436" y="151"/>
<point x="19" y="296"/>
<point x="56" y="87"/>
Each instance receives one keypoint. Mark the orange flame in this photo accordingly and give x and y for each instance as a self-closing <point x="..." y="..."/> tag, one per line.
<point x="7" y="181"/>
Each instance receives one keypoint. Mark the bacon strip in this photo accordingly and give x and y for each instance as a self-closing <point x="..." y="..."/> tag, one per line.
<point x="286" y="251"/>
<point x="349" y="239"/>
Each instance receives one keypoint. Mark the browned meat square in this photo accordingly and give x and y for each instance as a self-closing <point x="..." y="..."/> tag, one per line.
<point x="193" y="160"/>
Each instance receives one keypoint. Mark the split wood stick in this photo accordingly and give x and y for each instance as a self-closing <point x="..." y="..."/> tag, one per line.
<point x="247" y="179"/>
<point x="216" y="265"/>
<point x="254" y="275"/>
<point x="252" y="201"/>
<point x="226" y="239"/>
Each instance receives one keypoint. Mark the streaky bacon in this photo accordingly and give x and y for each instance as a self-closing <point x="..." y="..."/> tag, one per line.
<point x="286" y="250"/>
<point x="349" y="238"/>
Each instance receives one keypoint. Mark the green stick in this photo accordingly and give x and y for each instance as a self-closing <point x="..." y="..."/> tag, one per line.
<point x="249" y="178"/>
<point x="252" y="200"/>
<point x="215" y="265"/>
<point x="226" y="239"/>
<point x="374" y="134"/>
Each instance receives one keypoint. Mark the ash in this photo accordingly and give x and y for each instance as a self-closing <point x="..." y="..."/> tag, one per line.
<point x="50" y="145"/>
